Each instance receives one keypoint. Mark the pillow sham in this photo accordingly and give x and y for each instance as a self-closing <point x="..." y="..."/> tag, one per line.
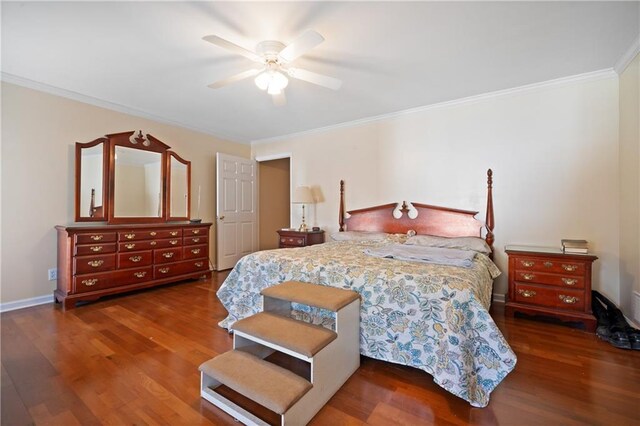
<point x="461" y="243"/>
<point x="358" y="236"/>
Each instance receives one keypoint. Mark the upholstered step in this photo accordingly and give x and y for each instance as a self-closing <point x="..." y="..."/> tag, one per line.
<point x="297" y="336"/>
<point x="259" y="380"/>
<point x="320" y="296"/>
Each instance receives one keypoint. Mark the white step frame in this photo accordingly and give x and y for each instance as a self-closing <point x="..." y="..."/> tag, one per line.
<point x="331" y="367"/>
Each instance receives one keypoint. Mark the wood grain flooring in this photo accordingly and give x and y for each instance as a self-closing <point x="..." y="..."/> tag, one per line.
<point x="133" y="360"/>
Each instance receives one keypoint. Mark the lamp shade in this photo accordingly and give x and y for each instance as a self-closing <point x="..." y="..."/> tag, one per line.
<point x="302" y="195"/>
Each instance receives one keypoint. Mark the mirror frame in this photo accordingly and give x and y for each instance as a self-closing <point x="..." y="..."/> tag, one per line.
<point x="130" y="140"/>
<point x="101" y="216"/>
<point x="171" y="154"/>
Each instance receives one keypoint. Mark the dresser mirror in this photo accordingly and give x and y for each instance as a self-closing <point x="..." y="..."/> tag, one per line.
<point x="137" y="190"/>
<point x="129" y="178"/>
<point x="179" y="178"/>
<point x="90" y="180"/>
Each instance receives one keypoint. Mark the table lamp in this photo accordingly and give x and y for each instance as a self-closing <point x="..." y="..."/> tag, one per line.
<point x="302" y="195"/>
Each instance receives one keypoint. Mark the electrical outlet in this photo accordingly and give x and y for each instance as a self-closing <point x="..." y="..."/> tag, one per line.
<point x="52" y="274"/>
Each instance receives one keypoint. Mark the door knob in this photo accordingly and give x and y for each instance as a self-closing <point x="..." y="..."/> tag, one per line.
<point x="221" y="218"/>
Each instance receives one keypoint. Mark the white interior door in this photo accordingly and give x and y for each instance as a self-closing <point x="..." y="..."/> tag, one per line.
<point x="236" y="209"/>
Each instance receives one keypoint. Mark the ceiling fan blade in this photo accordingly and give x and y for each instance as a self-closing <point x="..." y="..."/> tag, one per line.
<point x="218" y="41"/>
<point x="315" y="78"/>
<point x="246" y="74"/>
<point x="307" y="41"/>
<point x="280" y="99"/>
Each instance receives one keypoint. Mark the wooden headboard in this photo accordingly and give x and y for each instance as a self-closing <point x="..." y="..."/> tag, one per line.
<point x="431" y="220"/>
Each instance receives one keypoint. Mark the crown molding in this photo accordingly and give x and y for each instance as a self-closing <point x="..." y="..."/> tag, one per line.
<point x="563" y="81"/>
<point x="69" y="94"/>
<point x="628" y="56"/>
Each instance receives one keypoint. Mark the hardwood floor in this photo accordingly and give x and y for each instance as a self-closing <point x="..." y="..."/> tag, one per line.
<point x="133" y="360"/>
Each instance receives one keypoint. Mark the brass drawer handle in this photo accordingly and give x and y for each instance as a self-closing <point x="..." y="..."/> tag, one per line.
<point x="173" y="233"/>
<point x="173" y="242"/>
<point x="95" y="263"/>
<point x="153" y="243"/>
<point x="527" y="293"/>
<point x="569" y="268"/>
<point x="197" y="231"/>
<point x="569" y="281"/>
<point x="139" y="274"/>
<point x="547" y="264"/>
<point x="527" y="263"/>
<point x="97" y="237"/>
<point x="96" y="248"/>
<point x="163" y="270"/>
<point x="129" y="246"/>
<point x="153" y="233"/>
<point x="129" y="236"/>
<point x="195" y="240"/>
<point x="569" y="300"/>
<point x="90" y="282"/>
<point x="199" y="264"/>
<point x="195" y="251"/>
<point x="167" y="255"/>
<point x="528" y="277"/>
<point x="135" y="258"/>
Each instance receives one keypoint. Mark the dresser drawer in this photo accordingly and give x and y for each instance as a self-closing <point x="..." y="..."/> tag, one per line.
<point x="558" y="266"/>
<point x="95" y="237"/>
<point x="196" y="232"/>
<point x="167" y="255"/>
<point x="134" y="260"/>
<point x="168" y="243"/>
<point x="179" y="268"/>
<point x="292" y="241"/>
<point x="569" y="281"/>
<point x="195" y="240"/>
<point x="137" y="246"/>
<point x="549" y="297"/>
<point x="95" y="249"/>
<point x="104" y="280"/>
<point x="168" y="233"/>
<point x="195" y="252"/>
<point x="88" y="264"/>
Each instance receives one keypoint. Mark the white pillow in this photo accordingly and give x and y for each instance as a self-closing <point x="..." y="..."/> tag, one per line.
<point x="358" y="236"/>
<point x="461" y="243"/>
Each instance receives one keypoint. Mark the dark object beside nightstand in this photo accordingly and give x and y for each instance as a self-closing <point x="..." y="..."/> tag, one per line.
<point x="291" y="238"/>
<point x="546" y="281"/>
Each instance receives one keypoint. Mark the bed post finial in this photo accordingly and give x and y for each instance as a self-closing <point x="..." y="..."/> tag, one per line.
<point x="489" y="219"/>
<point x="341" y="213"/>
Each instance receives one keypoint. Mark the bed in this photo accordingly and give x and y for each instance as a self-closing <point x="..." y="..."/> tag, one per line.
<point x="429" y="316"/>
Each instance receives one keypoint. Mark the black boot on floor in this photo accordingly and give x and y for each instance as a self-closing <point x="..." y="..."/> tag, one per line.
<point x="601" y="314"/>
<point x="618" y="336"/>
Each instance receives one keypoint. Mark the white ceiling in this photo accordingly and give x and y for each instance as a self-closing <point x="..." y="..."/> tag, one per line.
<point x="150" y="56"/>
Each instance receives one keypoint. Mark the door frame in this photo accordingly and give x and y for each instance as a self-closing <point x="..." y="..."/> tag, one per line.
<point x="270" y="157"/>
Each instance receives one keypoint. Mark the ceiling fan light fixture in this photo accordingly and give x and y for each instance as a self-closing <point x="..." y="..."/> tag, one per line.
<point x="272" y="81"/>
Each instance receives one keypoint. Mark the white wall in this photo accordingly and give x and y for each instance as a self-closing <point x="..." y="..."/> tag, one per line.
<point x="630" y="185"/>
<point x="39" y="132"/>
<point x="553" y="150"/>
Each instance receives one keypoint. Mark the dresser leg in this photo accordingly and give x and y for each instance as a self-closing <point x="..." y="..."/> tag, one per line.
<point x="68" y="304"/>
<point x="509" y="311"/>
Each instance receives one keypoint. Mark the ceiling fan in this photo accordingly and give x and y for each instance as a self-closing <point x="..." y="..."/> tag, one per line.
<point x="275" y="59"/>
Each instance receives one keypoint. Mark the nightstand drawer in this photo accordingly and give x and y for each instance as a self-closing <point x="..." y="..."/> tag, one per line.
<point x="569" y="281"/>
<point x="550" y="297"/>
<point x="292" y="241"/>
<point x="549" y="265"/>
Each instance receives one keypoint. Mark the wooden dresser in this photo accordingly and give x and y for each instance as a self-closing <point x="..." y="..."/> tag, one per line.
<point x="95" y="261"/>
<point x="292" y="238"/>
<point x="546" y="281"/>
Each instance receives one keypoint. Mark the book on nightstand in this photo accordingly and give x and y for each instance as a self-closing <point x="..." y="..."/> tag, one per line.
<point x="575" y="246"/>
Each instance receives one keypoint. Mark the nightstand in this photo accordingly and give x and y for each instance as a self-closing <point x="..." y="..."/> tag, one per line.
<point x="546" y="281"/>
<point x="292" y="238"/>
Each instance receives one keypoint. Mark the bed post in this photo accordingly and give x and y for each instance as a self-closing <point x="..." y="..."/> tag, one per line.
<point x="489" y="219"/>
<point x="341" y="213"/>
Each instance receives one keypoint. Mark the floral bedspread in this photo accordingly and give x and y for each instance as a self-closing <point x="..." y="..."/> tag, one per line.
<point x="427" y="316"/>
